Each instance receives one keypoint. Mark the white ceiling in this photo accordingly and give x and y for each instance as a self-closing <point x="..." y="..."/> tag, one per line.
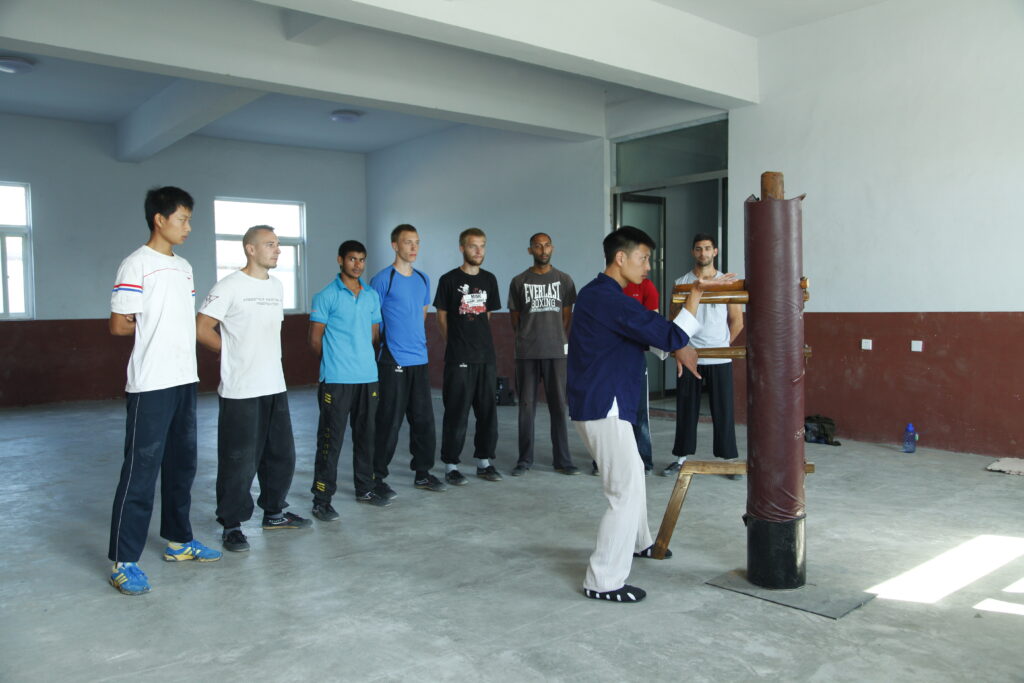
<point x="764" y="17"/>
<point x="76" y="90"/>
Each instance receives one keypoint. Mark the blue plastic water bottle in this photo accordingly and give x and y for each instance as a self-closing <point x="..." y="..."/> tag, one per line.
<point x="909" y="439"/>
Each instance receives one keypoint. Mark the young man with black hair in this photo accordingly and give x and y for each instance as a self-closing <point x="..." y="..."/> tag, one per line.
<point x="464" y="300"/>
<point x="254" y="426"/>
<point x="540" y="307"/>
<point x="609" y="335"/>
<point x="343" y="328"/>
<point x="154" y="301"/>
<point x="402" y="359"/>
<point x="720" y="325"/>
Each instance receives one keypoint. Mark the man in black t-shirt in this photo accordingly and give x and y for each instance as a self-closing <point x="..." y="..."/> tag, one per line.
<point x="464" y="301"/>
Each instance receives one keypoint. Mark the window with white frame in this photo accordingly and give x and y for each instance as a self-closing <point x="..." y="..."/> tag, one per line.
<point x="15" y="250"/>
<point x="232" y="217"/>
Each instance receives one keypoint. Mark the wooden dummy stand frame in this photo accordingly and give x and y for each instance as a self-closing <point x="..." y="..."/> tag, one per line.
<point x="732" y="293"/>
<point x="675" y="501"/>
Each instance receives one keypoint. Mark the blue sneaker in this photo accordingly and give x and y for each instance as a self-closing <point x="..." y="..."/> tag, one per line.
<point x="193" y="550"/>
<point x="130" y="580"/>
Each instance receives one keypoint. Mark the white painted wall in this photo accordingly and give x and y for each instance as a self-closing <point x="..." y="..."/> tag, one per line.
<point x="87" y="208"/>
<point x="510" y="185"/>
<point x="902" y="124"/>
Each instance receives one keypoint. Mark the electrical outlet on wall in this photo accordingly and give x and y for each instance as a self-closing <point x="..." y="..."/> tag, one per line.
<point x="916" y="345"/>
<point x="865" y="344"/>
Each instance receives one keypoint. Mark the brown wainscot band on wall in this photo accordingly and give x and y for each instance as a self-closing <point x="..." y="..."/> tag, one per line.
<point x="963" y="392"/>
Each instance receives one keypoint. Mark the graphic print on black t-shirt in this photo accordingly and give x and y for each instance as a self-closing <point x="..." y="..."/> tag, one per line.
<point x="473" y="302"/>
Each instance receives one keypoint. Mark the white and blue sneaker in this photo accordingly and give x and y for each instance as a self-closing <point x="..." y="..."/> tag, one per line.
<point x="129" y="579"/>
<point x="193" y="550"/>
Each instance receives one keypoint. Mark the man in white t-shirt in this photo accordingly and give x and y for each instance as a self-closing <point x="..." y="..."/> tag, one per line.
<point x="254" y="427"/>
<point x="720" y="325"/>
<point x="154" y="301"/>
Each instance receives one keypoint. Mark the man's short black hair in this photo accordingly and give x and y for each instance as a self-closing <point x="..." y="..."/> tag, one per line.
<point x="399" y="229"/>
<point x="536" y="235"/>
<point x="165" y="201"/>
<point x="627" y="238"/>
<point x="704" y="237"/>
<point x="351" y="246"/>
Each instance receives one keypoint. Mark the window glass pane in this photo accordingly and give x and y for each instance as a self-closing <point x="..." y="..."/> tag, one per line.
<point x="698" y="149"/>
<point x="230" y="257"/>
<point x="12" y="205"/>
<point x="16" y="274"/>
<point x="286" y="273"/>
<point x="234" y="218"/>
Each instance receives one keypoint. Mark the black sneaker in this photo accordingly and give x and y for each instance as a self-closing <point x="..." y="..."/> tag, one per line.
<point x="568" y="469"/>
<point x="235" y="541"/>
<point x="519" y="470"/>
<point x="593" y="468"/>
<point x="489" y="473"/>
<point x="372" y="498"/>
<point x="385" y="491"/>
<point x="455" y="478"/>
<point x="648" y="553"/>
<point x="429" y="482"/>
<point x="625" y="594"/>
<point x="324" y="512"/>
<point x="288" y="521"/>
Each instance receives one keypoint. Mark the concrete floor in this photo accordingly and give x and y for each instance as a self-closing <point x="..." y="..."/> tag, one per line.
<point x="482" y="583"/>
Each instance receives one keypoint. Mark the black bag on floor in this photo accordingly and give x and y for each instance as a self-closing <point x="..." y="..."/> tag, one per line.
<point x="820" y="429"/>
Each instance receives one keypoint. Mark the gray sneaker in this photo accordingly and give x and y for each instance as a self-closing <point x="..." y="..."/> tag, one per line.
<point x="519" y="470"/>
<point x="324" y="512"/>
<point x="455" y="478"/>
<point x="429" y="483"/>
<point x="672" y="470"/>
<point x="489" y="473"/>
<point x="372" y="498"/>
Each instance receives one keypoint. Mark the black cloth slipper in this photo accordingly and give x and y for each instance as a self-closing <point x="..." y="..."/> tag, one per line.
<point x="648" y="552"/>
<point x="625" y="594"/>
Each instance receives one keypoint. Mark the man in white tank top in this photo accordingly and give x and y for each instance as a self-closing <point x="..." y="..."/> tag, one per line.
<point x="720" y="325"/>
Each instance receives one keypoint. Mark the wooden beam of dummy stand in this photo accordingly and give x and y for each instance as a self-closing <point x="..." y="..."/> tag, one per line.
<point x="734" y="352"/>
<point x="675" y="501"/>
<point x="732" y="293"/>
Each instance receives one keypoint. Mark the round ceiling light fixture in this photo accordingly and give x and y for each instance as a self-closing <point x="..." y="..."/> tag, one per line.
<point x="346" y="115"/>
<point x="10" y="64"/>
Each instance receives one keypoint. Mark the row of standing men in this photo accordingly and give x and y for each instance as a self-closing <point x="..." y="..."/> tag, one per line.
<point x="373" y="374"/>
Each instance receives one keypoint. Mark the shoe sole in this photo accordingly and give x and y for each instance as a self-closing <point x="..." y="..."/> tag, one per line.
<point x="568" y="474"/>
<point x="386" y="503"/>
<point x="487" y="478"/>
<point x="238" y="549"/>
<point x="429" y="487"/>
<point x="186" y="558"/>
<point x="461" y="482"/>
<point x="124" y="591"/>
<point x="327" y="519"/>
<point x="286" y="526"/>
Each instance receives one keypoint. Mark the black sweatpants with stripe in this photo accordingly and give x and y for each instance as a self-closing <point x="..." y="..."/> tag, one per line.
<point x="355" y="404"/>
<point x="160" y="439"/>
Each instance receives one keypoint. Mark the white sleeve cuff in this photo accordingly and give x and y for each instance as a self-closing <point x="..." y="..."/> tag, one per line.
<point x="686" y="322"/>
<point x="662" y="355"/>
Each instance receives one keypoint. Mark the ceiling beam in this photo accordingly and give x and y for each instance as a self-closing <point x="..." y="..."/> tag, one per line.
<point x="175" y="112"/>
<point x="310" y="29"/>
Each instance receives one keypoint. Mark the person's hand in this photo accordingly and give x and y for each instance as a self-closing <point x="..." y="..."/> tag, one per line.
<point x="686" y="357"/>
<point x="130" y="317"/>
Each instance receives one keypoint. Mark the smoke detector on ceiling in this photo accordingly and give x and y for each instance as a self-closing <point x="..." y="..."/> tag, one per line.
<point x="346" y="115"/>
<point x="10" y="64"/>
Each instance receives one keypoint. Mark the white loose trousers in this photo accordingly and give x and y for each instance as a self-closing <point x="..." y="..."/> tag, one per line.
<point x="623" y="528"/>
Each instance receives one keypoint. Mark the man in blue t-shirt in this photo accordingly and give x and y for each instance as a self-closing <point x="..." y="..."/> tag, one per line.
<point x="402" y="365"/>
<point x="343" y="327"/>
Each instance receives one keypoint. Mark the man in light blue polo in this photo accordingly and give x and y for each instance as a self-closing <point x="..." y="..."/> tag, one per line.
<point x="343" y="328"/>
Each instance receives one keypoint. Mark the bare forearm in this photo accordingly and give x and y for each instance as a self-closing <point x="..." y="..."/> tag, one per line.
<point x="122" y="325"/>
<point x="442" y="325"/>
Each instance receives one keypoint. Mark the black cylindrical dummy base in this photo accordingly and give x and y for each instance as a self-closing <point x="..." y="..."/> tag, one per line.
<point x="776" y="553"/>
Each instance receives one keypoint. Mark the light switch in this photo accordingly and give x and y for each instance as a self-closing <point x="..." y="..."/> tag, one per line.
<point x="865" y="344"/>
<point x="916" y="345"/>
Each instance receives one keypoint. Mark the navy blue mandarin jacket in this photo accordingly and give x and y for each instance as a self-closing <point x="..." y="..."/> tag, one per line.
<point x="610" y="332"/>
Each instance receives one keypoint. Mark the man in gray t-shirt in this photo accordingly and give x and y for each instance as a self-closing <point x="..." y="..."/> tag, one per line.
<point x="540" y="301"/>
